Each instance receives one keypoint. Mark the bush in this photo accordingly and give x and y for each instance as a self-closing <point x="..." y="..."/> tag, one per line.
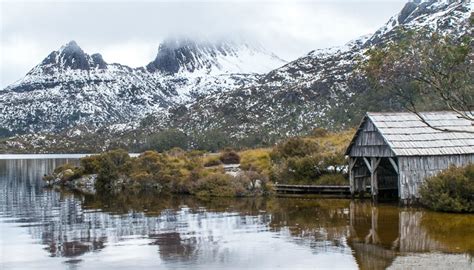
<point x="298" y="170"/>
<point x="256" y="159"/>
<point x="107" y="174"/>
<point x="255" y="183"/>
<point x="230" y="157"/>
<point x="66" y="172"/>
<point x="118" y="157"/>
<point x="333" y="179"/>
<point x="294" y="147"/>
<point x="90" y="164"/>
<point x="210" y="161"/>
<point x="306" y="160"/>
<point x="451" y="190"/>
<point x="218" y="185"/>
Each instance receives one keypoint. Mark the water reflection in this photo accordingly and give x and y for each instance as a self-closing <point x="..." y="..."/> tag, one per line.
<point x="183" y="232"/>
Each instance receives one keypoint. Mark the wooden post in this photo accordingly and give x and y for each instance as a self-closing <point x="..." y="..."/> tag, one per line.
<point x="394" y="164"/>
<point x="373" y="187"/>
<point x="374" y="163"/>
<point x="352" y="162"/>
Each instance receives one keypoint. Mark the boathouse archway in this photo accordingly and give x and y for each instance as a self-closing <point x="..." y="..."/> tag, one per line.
<point x="378" y="176"/>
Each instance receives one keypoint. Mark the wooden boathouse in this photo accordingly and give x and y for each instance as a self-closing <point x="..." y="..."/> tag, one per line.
<point x="395" y="152"/>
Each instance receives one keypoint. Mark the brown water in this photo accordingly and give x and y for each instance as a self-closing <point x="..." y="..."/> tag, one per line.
<point x="45" y="229"/>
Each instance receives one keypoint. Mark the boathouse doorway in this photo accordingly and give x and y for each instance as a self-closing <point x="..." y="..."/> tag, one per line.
<point x="378" y="176"/>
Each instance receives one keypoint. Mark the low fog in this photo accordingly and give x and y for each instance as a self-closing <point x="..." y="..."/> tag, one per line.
<point x="129" y="32"/>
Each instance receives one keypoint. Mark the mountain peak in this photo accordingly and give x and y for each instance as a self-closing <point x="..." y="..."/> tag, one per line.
<point x="69" y="57"/>
<point x="70" y="46"/>
<point x="184" y="54"/>
<point x="98" y="61"/>
<point x="447" y="16"/>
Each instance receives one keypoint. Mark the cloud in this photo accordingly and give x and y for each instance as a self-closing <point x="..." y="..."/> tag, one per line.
<point x="129" y="32"/>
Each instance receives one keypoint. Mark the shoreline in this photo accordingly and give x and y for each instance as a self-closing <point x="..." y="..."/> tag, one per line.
<point x="52" y="156"/>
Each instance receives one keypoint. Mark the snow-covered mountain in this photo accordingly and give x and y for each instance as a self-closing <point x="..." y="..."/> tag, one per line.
<point x="184" y="55"/>
<point x="200" y="86"/>
<point x="321" y="88"/>
<point x="447" y="16"/>
<point x="70" y="87"/>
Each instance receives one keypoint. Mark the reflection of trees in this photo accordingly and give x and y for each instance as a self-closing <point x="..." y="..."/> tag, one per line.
<point x="72" y="248"/>
<point x="153" y="204"/>
<point x="454" y="232"/>
<point x="173" y="248"/>
<point x="316" y="223"/>
<point x="320" y="221"/>
<point x="188" y="230"/>
<point x="22" y="197"/>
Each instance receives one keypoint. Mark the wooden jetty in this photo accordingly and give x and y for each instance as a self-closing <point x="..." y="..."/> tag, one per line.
<point x="337" y="191"/>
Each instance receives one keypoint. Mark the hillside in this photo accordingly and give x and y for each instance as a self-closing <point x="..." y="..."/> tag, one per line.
<point x="208" y="90"/>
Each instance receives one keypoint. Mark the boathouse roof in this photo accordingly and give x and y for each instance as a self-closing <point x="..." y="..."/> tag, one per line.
<point x="407" y="134"/>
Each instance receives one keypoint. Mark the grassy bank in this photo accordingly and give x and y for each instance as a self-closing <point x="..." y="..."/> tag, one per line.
<point x="315" y="159"/>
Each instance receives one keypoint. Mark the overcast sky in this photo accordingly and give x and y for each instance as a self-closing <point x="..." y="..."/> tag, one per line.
<point x="129" y="32"/>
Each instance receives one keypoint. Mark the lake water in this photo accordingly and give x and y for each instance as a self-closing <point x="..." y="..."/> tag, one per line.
<point x="45" y="229"/>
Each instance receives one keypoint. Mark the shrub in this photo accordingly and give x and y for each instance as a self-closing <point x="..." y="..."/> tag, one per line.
<point x="107" y="174"/>
<point x="90" y="164"/>
<point x="256" y="159"/>
<point x="254" y="182"/>
<point x="118" y="157"/>
<point x="294" y="147"/>
<point x="176" y="152"/>
<point x="229" y="157"/>
<point x="210" y="161"/>
<point x="304" y="160"/>
<point x="218" y="185"/>
<point x="452" y="190"/>
<point x="298" y="170"/>
<point x="333" y="179"/>
<point x="174" y="171"/>
<point x="144" y="181"/>
<point x="66" y="172"/>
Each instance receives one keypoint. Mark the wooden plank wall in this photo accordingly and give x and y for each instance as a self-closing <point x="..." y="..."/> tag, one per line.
<point x="414" y="170"/>
<point x="369" y="143"/>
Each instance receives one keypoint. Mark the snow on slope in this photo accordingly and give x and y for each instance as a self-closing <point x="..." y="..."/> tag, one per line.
<point x="447" y="16"/>
<point x="70" y="87"/>
<point x="202" y="57"/>
<point x="222" y="79"/>
<point x="320" y="88"/>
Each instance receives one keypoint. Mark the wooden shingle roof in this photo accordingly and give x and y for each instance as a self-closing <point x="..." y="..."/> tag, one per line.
<point x="408" y="135"/>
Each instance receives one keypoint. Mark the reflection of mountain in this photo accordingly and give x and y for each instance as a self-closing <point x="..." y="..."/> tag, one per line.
<point x="187" y="232"/>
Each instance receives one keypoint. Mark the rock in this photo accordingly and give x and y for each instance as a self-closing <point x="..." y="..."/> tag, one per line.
<point x="84" y="184"/>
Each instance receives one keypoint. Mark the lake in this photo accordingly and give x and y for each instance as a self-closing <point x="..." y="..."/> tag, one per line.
<point x="41" y="228"/>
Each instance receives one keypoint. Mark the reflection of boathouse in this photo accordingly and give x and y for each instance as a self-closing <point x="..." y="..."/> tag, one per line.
<point x="381" y="235"/>
<point x="395" y="152"/>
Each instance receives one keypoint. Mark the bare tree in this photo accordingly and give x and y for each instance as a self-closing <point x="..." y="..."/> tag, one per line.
<point x="426" y="70"/>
